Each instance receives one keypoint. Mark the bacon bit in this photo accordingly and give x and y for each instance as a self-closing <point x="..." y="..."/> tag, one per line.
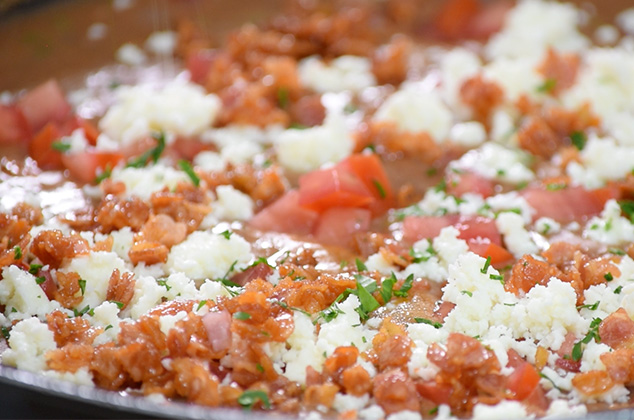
<point x="387" y="135"/>
<point x="249" y="103"/>
<point x="250" y="363"/>
<point x="269" y="187"/>
<point x="172" y="307"/>
<point x="565" y="122"/>
<point x="142" y="347"/>
<point x="14" y="232"/>
<point x="68" y="290"/>
<point x="258" y="271"/>
<point x="70" y="358"/>
<point x="536" y="137"/>
<point x="320" y="395"/>
<point x="620" y="365"/>
<point x="482" y="96"/>
<point x="106" y="368"/>
<point x="528" y="272"/>
<point x="110" y="187"/>
<point x="312" y="295"/>
<point x="617" y="330"/>
<point x="195" y="383"/>
<point x="356" y="380"/>
<point x="116" y="213"/>
<point x="121" y="287"/>
<point x="105" y="245"/>
<point x="389" y="62"/>
<point x="592" y="383"/>
<point x="368" y="243"/>
<point x="70" y="330"/>
<point x="392" y="346"/>
<point x="180" y="208"/>
<point x="190" y="338"/>
<point x="342" y="358"/>
<point x="565" y="361"/>
<point x="52" y="247"/>
<point x="454" y="18"/>
<point x="307" y="111"/>
<point x="598" y="270"/>
<point x="33" y="216"/>
<point x="395" y="391"/>
<point x="401" y="259"/>
<point x="562" y="68"/>
<point x="148" y="252"/>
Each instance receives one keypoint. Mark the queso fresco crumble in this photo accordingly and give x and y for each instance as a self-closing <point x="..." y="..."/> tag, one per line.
<point x="349" y="212"/>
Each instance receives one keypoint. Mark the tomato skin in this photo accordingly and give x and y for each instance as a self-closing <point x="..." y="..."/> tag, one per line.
<point x="416" y="228"/>
<point x="43" y="104"/>
<point x="199" y="64"/>
<point x="41" y="150"/>
<point x="13" y="125"/>
<point x="285" y="215"/>
<point x="84" y="166"/>
<point x="336" y="226"/>
<point x="469" y="182"/>
<point x="523" y="380"/>
<point x="436" y="393"/>
<point x="369" y="169"/>
<point x="569" y="204"/>
<point x="334" y="187"/>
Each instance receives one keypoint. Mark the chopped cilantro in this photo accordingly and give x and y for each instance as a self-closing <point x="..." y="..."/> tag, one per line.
<point x="431" y="172"/>
<point x="249" y="398"/>
<point x="608" y="276"/>
<point x="487" y="264"/>
<point x="616" y="251"/>
<point x="593" y="333"/>
<point x="407" y="284"/>
<point x="556" y="186"/>
<point x="227" y="234"/>
<point x="261" y="260"/>
<point x="35" y="268"/>
<point x="436" y="325"/>
<point x="578" y="139"/>
<point x="17" y="252"/>
<point x="119" y="304"/>
<point x="542" y="375"/>
<point x="85" y="310"/>
<point x="291" y="308"/>
<point x="548" y="86"/>
<point x="163" y="282"/>
<point x="259" y="368"/>
<point x="367" y="302"/>
<point x="153" y="154"/>
<point x="82" y="286"/>
<point x="60" y="146"/>
<point x="466" y="292"/>
<point x="441" y="186"/>
<point x="242" y="316"/>
<point x="189" y="170"/>
<point x="107" y="327"/>
<point x="107" y="171"/>
<point x="283" y="97"/>
<point x="627" y="207"/>
<point x="387" y="287"/>
<point x="497" y="277"/>
<point x="5" y="332"/>
<point x="40" y="280"/>
<point x="200" y="305"/>
<point x="297" y="126"/>
<point x="360" y="265"/>
<point x="592" y="307"/>
<point x="379" y="188"/>
<point x="618" y="290"/>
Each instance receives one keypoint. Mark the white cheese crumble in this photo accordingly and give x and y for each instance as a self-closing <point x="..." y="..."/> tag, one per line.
<point x="232" y="204"/>
<point x="142" y="182"/>
<point x="347" y="72"/>
<point x="29" y="341"/>
<point x="162" y="42"/>
<point x="96" y="31"/>
<point x="557" y="23"/>
<point x="308" y="149"/>
<point x="516" y="238"/>
<point x="415" y="109"/>
<point x="106" y="317"/>
<point x="131" y="55"/>
<point x="468" y="134"/>
<point x="497" y="162"/>
<point x="504" y="410"/>
<point x="610" y="228"/>
<point x="22" y="296"/>
<point x="602" y="160"/>
<point x="516" y="76"/>
<point x="625" y="20"/>
<point x="206" y="255"/>
<point x="456" y="66"/>
<point x="147" y="294"/>
<point x="345" y="330"/>
<point x="179" y="108"/>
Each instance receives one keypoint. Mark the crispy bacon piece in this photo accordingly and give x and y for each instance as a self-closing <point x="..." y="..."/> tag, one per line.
<point x="70" y="330"/>
<point x="482" y="96"/>
<point x="182" y="206"/>
<point x="121" y="287"/>
<point x="620" y="365"/>
<point x="320" y="395"/>
<point x="194" y="382"/>
<point x="116" y="213"/>
<point x="148" y="252"/>
<point x="389" y="62"/>
<point x="392" y="346"/>
<point x="52" y="247"/>
<point x="395" y="391"/>
<point x="617" y="330"/>
<point x="68" y="289"/>
<point x="528" y="272"/>
<point x="593" y="383"/>
<point x="70" y="358"/>
<point x="561" y="68"/>
<point x="14" y="232"/>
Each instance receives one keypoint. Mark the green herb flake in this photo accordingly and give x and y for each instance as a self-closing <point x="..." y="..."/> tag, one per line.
<point x="387" y="286"/>
<point x="592" y="307"/>
<point x="578" y="139"/>
<point x="487" y="264"/>
<point x="85" y="310"/>
<point x="548" y="86"/>
<point x="283" y="98"/>
<point x="616" y="251"/>
<point x="6" y="333"/>
<point x="35" y="268"/>
<point x="360" y="265"/>
<point x="189" y="170"/>
<point x="608" y="276"/>
<point x="593" y="333"/>
<point x="242" y="316"/>
<point x="82" y="286"/>
<point x="108" y="327"/>
<point x="163" y="282"/>
<point x="441" y="186"/>
<point x="227" y="234"/>
<point x="466" y="292"/>
<point x="436" y="325"/>
<point x="556" y="186"/>
<point x="407" y="285"/>
<point x="17" y="252"/>
<point x="259" y="368"/>
<point x="542" y="375"/>
<point x="105" y="174"/>
<point x="627" y="207"/>
<point x="60" y="146"/>
<point x="153" y="154"/>
<point x="249" y="398"/>
<point x="291" y="308"/>
<point x="433" y="411"/>
<point x="618" y="290"/>
<point x="497" y="277"/>
<point x="367" y="302"/>
<point x="40" y="280"/>
<point x="379" y="188"/>
<point x="119" y="304"/>
<point x="200" y="305"/>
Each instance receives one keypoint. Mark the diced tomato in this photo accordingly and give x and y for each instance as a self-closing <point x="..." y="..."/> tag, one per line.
<point x="416" y="228"/>
<point x="454" y="17"/>
<point x="369" y="169"/>
<point x="85" y="166"/>
<point x="523" y="381"/>
<point x="436" y="393"/>
<point x="186" y="148"/>
<point x="43" y="104"/>
<point x="479" y="227"/>
<point x="489" y="19"/>
<point x="498" y="254"/>
<point x="333" y="187"/>
<point x="286" y="215"/>
<point x="90" y="131"/>
<point x="41" y="150"/>
<point x="13" y="126"/>
<point x="258" y="271"/>
<point x="199" y="64"/>
<point x="337" y="225"/>
<point x="469" y="182"/>
<point x="568" y="204"/>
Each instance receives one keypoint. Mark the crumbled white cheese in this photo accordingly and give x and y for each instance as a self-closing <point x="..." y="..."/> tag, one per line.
<point x="610" y="228"/>
<point x="438" y="203"/>
<point x="167" y="322"/>
<point x="516" y="238"/>
<point x="162" y="42"/>
<point x="29" y="341"/>
<point x="504" y="410"/>
<point x="122" y="240"/>
<point x="179" y="108"/>
<point x="106" y="317"/>
<point x="346" y="402"/>
<point x="468" y="134"/>
<point x="562" y="408"/>
<point x="606" y="34"/>
<point x="80" y="377"/>
<point x="414" y="109"/>
<point x="240" y="152"/>
<point x="557" y="23"/>
<point x="497" y="162"/>
<point x="456" y="66"/>
<point x="22" y="296"/>
<point x="306" y="150"/>
<point x="232" y="204"/>
<point x="206" y="255"/>
<point x="147" y="294"/>
<point x="602" y="160"/>
<point x="210" y="161"/>
<point x="180" y="287"/>
<point x="405" y="415"/>
<point x="625" y="20"/>
<point x="131" y="55"/>
<point x="511" y="201"/>
<point x="345" y="330"/>
<point x="346" y="72"/>
<point x="516" y="76"/>
<point x="546" y="225"/>
<point x="591" y="359"/>
<point x="96" y="268"/>
<point x="142" y="182"/>
<point x="422" y="335"/>
<point x="97" y="31"/>
<point x="503" y="126"/>
<point x="373" y="412"/>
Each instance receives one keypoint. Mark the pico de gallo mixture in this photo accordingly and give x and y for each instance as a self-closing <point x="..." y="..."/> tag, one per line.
<point x="355" y="210"/>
